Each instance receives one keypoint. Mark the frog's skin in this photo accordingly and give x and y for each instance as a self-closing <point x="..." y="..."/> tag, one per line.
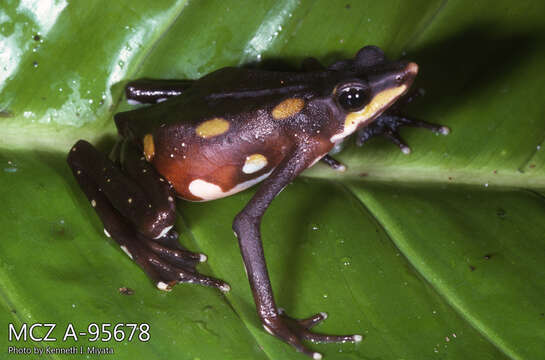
<point x="212" y="137"/>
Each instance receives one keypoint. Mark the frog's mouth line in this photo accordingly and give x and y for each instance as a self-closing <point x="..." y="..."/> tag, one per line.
<point x="380" y="102"/>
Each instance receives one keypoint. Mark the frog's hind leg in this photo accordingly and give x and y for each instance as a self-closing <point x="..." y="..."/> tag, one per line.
<point x="137" y="210"/>
<point x="150" y="91"/>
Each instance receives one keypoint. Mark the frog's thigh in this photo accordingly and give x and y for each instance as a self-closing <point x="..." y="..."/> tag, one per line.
<point x="136" y="192"/>
<point x="149" y="91"/>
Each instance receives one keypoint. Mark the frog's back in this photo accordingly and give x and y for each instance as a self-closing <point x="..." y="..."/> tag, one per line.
<point x="223" y="135"/>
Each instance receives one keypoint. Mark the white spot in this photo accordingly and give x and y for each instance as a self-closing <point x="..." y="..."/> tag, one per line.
<point x="93" y="203"/>
<point x="234" y="232"/>
<point x="107" y="233"/>
<point x="317" y="356"/>
<point x="79" y="172"/>
<point x="406" y="150"/>
<point x="357" y="338"/>
<point x="444" y="130"/>
<point x="202" y="258"/>
<point x="133" y="102"/>
<point x="126" y="251"/>
<point x="129" y="200"/>
<point x="170" y="198"/>
<point x="225" y="288"/>
<point x="254" y="163"/>
<point x="268" y="329"/>
<point x="162" y="286"/>
<point x="208" y="191"/>
<point x="160" y="100"/>
<point x="324" y="315"/>
<point x="163" y="232"/>
<point x="341" y="168"/>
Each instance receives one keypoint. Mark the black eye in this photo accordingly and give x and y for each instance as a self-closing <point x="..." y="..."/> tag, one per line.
<point x="353" y="99"/>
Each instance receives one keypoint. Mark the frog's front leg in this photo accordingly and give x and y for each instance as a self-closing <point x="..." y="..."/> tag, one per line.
<point x="247" y="229"/>
<point x="388" y="125"/>
<point x="153" y="91"/>
<point x="137" y="209"/>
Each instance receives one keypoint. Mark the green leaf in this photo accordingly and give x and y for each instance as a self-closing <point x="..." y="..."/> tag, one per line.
<point x="438" y="254"/>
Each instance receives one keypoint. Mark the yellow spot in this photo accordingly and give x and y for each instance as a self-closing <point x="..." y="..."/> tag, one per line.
<point x="149" y="147"/>
<point x="379" y="103"/>
<point x="254" y="163"/>
<point x="287" y="108"/>
<point x="211" y="128"/>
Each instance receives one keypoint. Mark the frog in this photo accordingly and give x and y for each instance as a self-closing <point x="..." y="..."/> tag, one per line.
<point x="212" y="137"/>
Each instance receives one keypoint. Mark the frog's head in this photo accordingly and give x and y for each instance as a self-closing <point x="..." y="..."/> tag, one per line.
<point x="369" y="84"/>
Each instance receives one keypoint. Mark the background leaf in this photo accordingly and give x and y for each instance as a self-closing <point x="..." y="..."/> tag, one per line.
<point x="434" y="255"/>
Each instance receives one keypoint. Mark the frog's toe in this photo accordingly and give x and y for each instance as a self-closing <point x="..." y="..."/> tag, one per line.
<point x="167" y="263"/>
<point x="313" y="320"/>
<point x="294" y="331"/>
<point x="196" y="278"/>
<point x="166" y="270"/>
<point x="387" y="125"/>
<point x="301" y="327"/>
<point x="176" y="255"/>
<point x="333" y="163"/>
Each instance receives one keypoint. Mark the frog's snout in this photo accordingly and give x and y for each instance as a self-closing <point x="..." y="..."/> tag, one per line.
<point x="408" y="74"/>
<point x="411" y="69"/>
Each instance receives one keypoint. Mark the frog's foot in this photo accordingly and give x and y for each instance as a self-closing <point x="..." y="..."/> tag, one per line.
<point x="334" y="164"/>
<point x="388" y="125"/>
<point x="168" y="264"/>
<point x="124" y="204"/>
<point x="294" y="331"/>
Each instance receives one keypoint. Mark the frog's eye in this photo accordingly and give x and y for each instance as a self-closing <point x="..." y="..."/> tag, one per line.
<point x="353" y="98"/>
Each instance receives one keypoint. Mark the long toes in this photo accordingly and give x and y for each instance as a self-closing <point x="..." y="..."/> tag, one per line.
<point x="313" y="320"/>
<point x="166" y="275"/>
<point x="396" y="139"/>
<point x="177" y="256"/>
<point x="444" y="130"/>
<point x="323" y="338"/>
<point x="438" y="129"/>
<point x="298" y="345"/>
<point x="196" y="278"/>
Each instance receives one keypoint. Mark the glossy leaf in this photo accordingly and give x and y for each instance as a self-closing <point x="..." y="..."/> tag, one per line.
<point x="438" y="254"/>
